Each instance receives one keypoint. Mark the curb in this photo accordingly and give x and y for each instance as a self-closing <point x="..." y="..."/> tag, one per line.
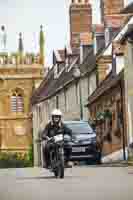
<point x="130" y="163"/>
<point x="109" y="164"/>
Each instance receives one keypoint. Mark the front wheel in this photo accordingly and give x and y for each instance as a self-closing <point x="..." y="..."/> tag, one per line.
<point x="59" y="171"/>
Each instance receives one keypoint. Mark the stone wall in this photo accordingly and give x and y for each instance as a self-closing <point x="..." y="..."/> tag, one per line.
<point x="16" y="125"/>
<point x="16" y="128"/>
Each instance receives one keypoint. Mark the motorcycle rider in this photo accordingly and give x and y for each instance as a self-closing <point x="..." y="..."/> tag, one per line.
<point x="52" y="129"/>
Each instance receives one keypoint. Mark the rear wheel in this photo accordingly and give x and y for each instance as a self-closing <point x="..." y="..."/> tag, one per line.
<point x="59" y="171"/>
<point x="56" y="173"/>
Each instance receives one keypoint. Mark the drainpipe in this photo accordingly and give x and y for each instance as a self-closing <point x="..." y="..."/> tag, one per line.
<point x="122" y="100"/>
<point x="122" y="121"/>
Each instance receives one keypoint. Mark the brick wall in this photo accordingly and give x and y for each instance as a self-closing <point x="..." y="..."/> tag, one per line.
<point x="80" y="21"/>
<point x="111" y="13"/>
<point x="110" y="100"/>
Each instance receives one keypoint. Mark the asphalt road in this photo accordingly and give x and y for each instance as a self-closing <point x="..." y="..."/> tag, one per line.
<point x="81" y="183"/>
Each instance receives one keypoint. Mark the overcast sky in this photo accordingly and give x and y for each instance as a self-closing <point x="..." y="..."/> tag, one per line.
<point x="26" y="16"/>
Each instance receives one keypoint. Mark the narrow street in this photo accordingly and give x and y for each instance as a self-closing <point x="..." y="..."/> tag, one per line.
<point x="80" y="183"/>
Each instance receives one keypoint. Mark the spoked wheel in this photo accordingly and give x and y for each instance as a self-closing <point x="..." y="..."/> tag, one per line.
<point x="56" y="173"/>
<point x="59" y="172"/>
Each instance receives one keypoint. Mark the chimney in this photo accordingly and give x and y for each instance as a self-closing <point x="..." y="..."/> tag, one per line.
<point x="80" y="20"/>
<point x="99" y="38"/>
<point x="108" y="35"/>
<point x="113" y="61"/>
<point x="110" y="11"/>
<point x="110" y="32"/>
<point x="85" y="44"/>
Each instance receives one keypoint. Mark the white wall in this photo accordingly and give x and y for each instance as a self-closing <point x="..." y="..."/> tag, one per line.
<point x="71" y="98"/>
<point x="119" y="64"/>
<point x="62" y="101"/>
<point x="92" y="83"/>
<point x="71" y="113"/>
<point x="85" y="93"/>
<point x="129" y="90"/>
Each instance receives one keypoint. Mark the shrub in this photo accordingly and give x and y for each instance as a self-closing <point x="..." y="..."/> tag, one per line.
<point x="14" y="160"/>
<point x="30" y="155"/>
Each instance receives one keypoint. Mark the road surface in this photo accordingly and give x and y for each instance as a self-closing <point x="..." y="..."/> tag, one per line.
<point x="80" y="183"/>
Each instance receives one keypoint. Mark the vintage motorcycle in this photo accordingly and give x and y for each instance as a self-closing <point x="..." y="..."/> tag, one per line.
<point x="57" y="155"/>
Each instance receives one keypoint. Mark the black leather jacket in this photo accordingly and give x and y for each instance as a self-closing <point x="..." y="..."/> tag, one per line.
<point x="53" y="129"/>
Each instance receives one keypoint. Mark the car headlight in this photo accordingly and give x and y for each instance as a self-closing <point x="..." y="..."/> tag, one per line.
<point x="93" y="140"/>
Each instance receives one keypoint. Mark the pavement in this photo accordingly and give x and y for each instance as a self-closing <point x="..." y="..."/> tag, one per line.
<point x="91" y="182"/>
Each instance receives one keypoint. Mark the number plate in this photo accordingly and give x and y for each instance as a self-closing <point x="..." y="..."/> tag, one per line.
<point x="58" y="138"/>
<point x="78" y="149"/>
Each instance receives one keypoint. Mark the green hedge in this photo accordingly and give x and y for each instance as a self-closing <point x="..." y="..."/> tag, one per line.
<point x="16" y="160"/>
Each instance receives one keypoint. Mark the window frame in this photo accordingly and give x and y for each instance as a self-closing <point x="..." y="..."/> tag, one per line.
<point x="17" y="106"/>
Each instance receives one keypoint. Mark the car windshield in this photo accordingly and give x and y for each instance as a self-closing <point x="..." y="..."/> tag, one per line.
<point x="80" y="128"/>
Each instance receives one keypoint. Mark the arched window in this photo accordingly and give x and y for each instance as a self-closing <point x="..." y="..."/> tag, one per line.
<point x="17" y="101"/>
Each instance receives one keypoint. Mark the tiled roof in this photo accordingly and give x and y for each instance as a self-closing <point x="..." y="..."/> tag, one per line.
<point x="109" y="82"/>
<point x="62" y="54"/>
<point x="48" y="80"/>
<point x="52" y="86"/>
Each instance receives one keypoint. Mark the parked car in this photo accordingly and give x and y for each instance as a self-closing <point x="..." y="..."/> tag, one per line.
<point x="84" y="146"/>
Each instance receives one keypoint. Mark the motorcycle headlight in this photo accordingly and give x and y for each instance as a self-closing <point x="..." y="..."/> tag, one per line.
<point x="67" y="138"/>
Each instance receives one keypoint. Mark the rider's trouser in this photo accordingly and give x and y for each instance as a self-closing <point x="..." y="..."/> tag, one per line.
<point x="46" y="150"/>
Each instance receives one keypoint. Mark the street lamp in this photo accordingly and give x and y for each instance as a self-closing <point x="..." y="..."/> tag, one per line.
<point x="77" y="76"/>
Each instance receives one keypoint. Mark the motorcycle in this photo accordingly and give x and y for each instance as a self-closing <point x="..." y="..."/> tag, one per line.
<point x="57" y="155"/>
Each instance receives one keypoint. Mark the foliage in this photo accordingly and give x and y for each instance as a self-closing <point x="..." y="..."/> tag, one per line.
<point x="14" y="160"/>
<point x="30" y="155"/>
<point x="107" y="114"/>
<point x="103" y="115"/>
<point x="100" y="116"/>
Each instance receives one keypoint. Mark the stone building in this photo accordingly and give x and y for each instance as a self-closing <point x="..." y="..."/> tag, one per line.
<point x="20" y="74"/>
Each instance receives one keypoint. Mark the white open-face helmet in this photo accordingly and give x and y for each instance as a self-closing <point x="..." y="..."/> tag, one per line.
<point x="56" y="112"/>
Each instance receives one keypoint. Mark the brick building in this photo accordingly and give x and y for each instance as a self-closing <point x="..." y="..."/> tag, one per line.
<point x="108" y="103"/>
